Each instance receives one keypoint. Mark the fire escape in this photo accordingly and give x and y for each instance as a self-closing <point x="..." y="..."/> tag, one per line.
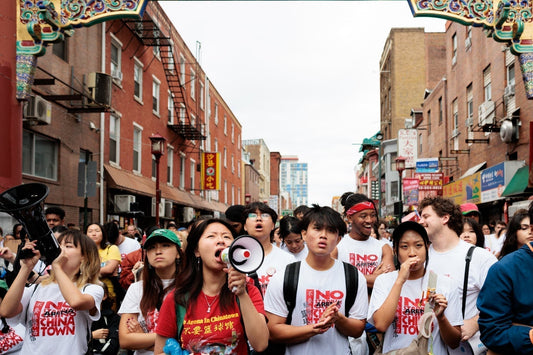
<point x="147" y="31"/>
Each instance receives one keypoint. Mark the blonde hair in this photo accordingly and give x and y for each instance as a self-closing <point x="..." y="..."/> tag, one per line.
<point x="90" y="264"/>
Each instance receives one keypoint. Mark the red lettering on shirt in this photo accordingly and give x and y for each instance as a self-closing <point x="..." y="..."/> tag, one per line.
<point x="408" y="313"/>
<point x="317" y="301"/>
<point x="52" y="319"/>
<point x="365" y="263"/>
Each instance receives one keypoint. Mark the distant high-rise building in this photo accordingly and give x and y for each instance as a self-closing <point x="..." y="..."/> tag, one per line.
<point x="293" y="180"/>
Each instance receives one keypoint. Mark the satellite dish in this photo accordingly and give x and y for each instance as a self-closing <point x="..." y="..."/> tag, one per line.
<point x="507" y="131"/>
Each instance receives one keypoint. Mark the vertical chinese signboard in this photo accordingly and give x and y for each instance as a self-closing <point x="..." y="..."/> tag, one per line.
<point x="429" y="184"/>
<point x="407" y="147"/>
<point x="210" y="171"/>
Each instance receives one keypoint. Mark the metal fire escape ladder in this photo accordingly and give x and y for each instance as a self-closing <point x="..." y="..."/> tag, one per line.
<point x="149" y="34"/>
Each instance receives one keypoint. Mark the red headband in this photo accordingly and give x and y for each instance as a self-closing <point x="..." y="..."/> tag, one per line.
<point x="359" y="207"/>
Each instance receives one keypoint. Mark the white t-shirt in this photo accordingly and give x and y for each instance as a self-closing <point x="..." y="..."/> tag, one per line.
<point x="274" y="262"/>
<point x="127" y="246"/>
<point x="131" y="304"/>
<point x="52" y="326"/>
<point x="302" y="254"/>
<point x="13" y="346"/>
<point x="404" y="328"/>
<point x="364" y="255"/>
<point x="493" y="244"/>
<point x="452" y="263"/>
<point x="316" y="291"/>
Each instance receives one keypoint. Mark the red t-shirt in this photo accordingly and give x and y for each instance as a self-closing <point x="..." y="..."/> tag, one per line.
<point x="207" y="333"/>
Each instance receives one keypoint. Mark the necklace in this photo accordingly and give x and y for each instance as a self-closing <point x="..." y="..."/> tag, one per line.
<point x="210" y="304"/>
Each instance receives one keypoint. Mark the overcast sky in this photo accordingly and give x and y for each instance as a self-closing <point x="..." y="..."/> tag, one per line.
<point x="301" y="75"/>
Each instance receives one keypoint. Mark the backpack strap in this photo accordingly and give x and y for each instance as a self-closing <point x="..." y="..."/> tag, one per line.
<point x="180" y="315"/>
<point x="290" y="286"/>
<point x="468" y="258"/>
<point x="352" y="284"/>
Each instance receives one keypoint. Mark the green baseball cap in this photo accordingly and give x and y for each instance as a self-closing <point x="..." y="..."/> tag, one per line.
<point x="162" y="233"/>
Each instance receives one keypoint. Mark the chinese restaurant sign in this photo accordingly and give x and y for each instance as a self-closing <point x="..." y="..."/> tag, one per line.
<point x="210" y="171"/>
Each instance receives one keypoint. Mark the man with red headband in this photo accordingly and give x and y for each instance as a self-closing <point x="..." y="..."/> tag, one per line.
<point x="368" y="255"/>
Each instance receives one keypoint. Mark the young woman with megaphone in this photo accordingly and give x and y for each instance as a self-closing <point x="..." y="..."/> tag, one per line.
<point x="203" y="313"/>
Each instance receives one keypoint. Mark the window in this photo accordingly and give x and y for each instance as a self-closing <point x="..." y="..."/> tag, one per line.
<point x="232" y="133"/>
<point x="138" y="79"/>
<point x="440" y="111"/>
<point x="116" y="58"/>
<point x="183" y="114"/>
<point x="170" y="108"/>
<point x="155" y="96"/>
<point x="232" y="194"/>
<point x="469" y="103"/>
<point x="468" y="39"/>
<point x="239" y="168"/>
<point x="225" y="125"/>
<point x="182" y="70"/>
<point x="487" y="85"/>
<point x="232" y="164"/>
<point x="170" y="164"/>
<point x="420" y="145"/>
<point x="429" y="122"/>
<point x="216" y="145"/>
<point x="510" y="74"/>
<point x="193" y="84"/>
<point x="60" y="49"/>
<point x="39" y="155"/>
<point x="454" y="48"/>
<point x="193" y="168"/>
<point x="225" y="158"/>
<point x="182" y="171"/>
<point x="157" y="34"/>
<point x="225" y="191"/>
<point x="202" y="96"/>
<point x="216" y="114"/>
<point x="137" y="147"/>
<point x="455" y="110"/>
<point x="114" y="139"/>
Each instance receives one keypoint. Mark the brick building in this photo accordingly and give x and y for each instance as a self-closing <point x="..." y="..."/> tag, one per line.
<point x="154" y="85"/>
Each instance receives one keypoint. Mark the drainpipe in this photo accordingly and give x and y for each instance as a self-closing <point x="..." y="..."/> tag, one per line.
<point x="446" y="154"/>
<point x="102" y="134"/>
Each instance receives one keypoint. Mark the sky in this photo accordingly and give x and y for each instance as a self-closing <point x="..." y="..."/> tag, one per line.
<point x="303" y="76"/>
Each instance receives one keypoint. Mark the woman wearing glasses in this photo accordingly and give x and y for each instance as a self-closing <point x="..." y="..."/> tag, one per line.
<point x="518" y="233"/>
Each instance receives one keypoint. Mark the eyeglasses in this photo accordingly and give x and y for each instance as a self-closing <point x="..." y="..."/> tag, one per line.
<point x="255" y="215"/>
<point x="525" y="227"/>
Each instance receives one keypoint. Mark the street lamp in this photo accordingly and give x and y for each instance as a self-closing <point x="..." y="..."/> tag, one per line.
<point x="158" y="149"/>
<point x="400" y="167"/>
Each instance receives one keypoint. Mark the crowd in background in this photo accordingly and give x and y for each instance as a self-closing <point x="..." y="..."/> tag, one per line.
<point x="343" y="283"/>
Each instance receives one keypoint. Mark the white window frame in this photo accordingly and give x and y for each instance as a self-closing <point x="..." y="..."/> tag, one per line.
<point x="454" y="48"/>
<point x="216" y="114"/>
<point x="511" y="77"/>
<point x="138" y="67"/>
<point x="192" y="177"/>
<point x="182" y="69"/>
<point x="232" y="132"/>
<point x="116" y="118"/>
<point x="117" y="67"/>
<point x="225" y="125"/>
<point x="183" y="158"/>
<point x="487" y="84"/>
<point x="225" y="191"/>
<point x="156" y="95"/>
<point x="170" y="107"/>
<point x="170" y="164"/>
<point x="225" y="158"/>
<point x="232" y="164"/>
<point x="137" y="128"/>
<point x="183" y="113"/>
<point x="193" y="86"/>
<point x="202" y="98"/>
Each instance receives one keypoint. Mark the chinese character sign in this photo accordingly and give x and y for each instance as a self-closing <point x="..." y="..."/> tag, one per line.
<point x="210" y="171"/>
<point x="408" y="146"/>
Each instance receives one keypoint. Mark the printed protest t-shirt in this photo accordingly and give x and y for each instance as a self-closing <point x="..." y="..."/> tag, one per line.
<point x="316" y="291"/>
<point x="216" y="332"/>
<point x="404" y="328"/>
<point x="364" y="255"/>
<point x="52" y="325"/>
<point x="274" y="262"/>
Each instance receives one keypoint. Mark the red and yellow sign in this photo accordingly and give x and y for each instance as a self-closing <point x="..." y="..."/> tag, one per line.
<point x="210" y="171"/>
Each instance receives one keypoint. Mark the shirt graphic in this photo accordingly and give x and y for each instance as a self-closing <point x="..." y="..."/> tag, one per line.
<point x="408" y="313"/>
<point x="317" y="301"/>
<point x="52" y="319"/>
<point x="366" y="263"/>
<point x="214" y="335"/>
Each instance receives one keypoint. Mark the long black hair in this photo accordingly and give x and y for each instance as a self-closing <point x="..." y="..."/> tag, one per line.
<point x="511" y="240"/>
<point x="480" y="237"/>
<point x="191" y="278"/>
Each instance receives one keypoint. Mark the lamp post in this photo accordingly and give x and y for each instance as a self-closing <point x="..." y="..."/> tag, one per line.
<point x="157" y="148"/>
<point x="400" y="167"/>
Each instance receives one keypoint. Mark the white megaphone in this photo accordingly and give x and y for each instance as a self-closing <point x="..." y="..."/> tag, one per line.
<point x="245" y="254"/>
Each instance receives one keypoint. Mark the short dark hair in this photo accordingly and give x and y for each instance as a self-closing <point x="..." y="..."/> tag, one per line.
<point x="303" y="209"/>
<point x="442" y="207"/>
<point x="55" y="210"/>
<point x="323" y="217"/>
<point x="288" y="225"/>
<point x="235" y="213"/>
<point x="59" y="229"/>
<point x="261" y="207"/>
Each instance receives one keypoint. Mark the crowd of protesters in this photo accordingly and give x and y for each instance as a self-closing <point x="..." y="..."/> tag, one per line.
<point x="343" y="283"/>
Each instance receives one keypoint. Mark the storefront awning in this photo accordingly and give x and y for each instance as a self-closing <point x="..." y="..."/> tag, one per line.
<point x="518" y="183"/>
<point x="120" y="179"/>
<point x="474" y="169"/>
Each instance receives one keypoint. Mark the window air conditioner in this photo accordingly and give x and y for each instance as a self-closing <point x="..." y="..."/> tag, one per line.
<point x="116" y="74"/>
<point x="99" y="85"/>
<point x="37" y="111"/>
<point x="509" y="90"/>
<point x="161" y="207"/>
<point x="486" y="113"/>
<point x="122" y="202"/>
<point x="469" y="121"/>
